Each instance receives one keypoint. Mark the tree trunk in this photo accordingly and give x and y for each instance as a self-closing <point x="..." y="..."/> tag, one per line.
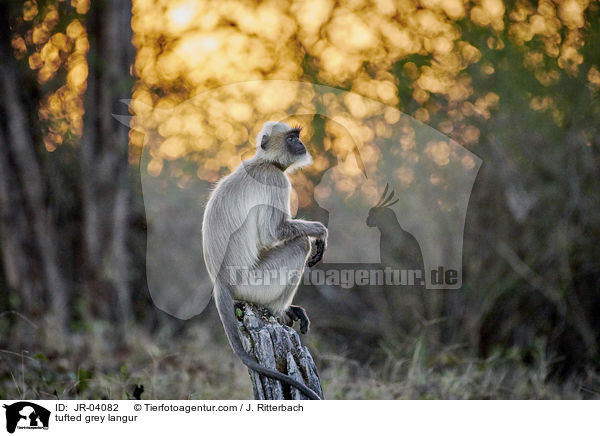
<point x="278" y="347"/>
<point x="22" y="166"/>
<point x="104" y="161"/>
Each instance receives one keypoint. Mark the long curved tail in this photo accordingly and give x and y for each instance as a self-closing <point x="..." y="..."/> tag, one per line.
<point x="225" y="307"/>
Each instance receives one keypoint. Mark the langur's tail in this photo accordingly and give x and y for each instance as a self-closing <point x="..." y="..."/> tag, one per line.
<point x="225" y="307"/>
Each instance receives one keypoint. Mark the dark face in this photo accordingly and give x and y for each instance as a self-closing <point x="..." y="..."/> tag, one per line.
<point x="293" y="143"/>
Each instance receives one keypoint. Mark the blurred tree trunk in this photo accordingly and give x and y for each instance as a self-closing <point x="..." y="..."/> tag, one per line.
<point x="47" y="251"/>
<point x="28" y="223"/>
<point x="104" y="158"/>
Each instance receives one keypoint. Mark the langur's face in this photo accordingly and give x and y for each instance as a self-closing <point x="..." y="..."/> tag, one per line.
<point x="283" y="145"/>
<point x="293" y="143"/>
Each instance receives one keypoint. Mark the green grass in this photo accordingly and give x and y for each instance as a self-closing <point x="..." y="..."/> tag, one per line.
<point x="194" y="364"/>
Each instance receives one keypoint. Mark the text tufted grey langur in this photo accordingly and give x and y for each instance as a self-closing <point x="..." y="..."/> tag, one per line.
<point x="247" y="227"/>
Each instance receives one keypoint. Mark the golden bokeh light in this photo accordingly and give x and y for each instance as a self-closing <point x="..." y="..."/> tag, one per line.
<point x="391" y="56"/>
<point x="50" y="52"/>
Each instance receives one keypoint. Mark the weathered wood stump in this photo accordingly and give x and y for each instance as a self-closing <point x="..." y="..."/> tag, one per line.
<point x="278" y="347"/>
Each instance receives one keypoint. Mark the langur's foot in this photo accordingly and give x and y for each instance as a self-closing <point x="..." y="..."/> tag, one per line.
<point x="297" y="313"/>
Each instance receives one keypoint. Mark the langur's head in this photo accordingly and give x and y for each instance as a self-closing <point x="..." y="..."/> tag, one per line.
<point x="280" y="144"/>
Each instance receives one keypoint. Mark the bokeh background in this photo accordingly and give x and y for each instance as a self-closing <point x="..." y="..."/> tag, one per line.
<point x="515" y="82"/>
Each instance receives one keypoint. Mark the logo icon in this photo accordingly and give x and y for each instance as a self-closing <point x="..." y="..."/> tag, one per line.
<point x="26" y="415"/>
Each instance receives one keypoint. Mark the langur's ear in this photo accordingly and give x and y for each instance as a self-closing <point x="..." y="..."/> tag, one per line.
<point x="263" y="142"/>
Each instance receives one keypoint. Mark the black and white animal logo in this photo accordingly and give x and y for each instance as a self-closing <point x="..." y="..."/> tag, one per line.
<point x="26" y="415"/>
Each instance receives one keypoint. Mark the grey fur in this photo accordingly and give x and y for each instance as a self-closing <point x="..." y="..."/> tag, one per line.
<point x="247" y="226"/>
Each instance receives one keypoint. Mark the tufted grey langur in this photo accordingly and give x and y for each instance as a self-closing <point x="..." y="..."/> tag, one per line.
<point x="247" y="228"/>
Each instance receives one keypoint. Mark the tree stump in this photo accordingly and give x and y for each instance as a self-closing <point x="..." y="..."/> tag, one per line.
<point x="278" y="347"/>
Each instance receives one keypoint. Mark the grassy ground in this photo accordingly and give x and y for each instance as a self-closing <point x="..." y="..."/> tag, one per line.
<point x="192" y="364"/>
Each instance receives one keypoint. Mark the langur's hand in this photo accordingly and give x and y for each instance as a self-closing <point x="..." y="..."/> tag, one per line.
<point x="320" y="246"/>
